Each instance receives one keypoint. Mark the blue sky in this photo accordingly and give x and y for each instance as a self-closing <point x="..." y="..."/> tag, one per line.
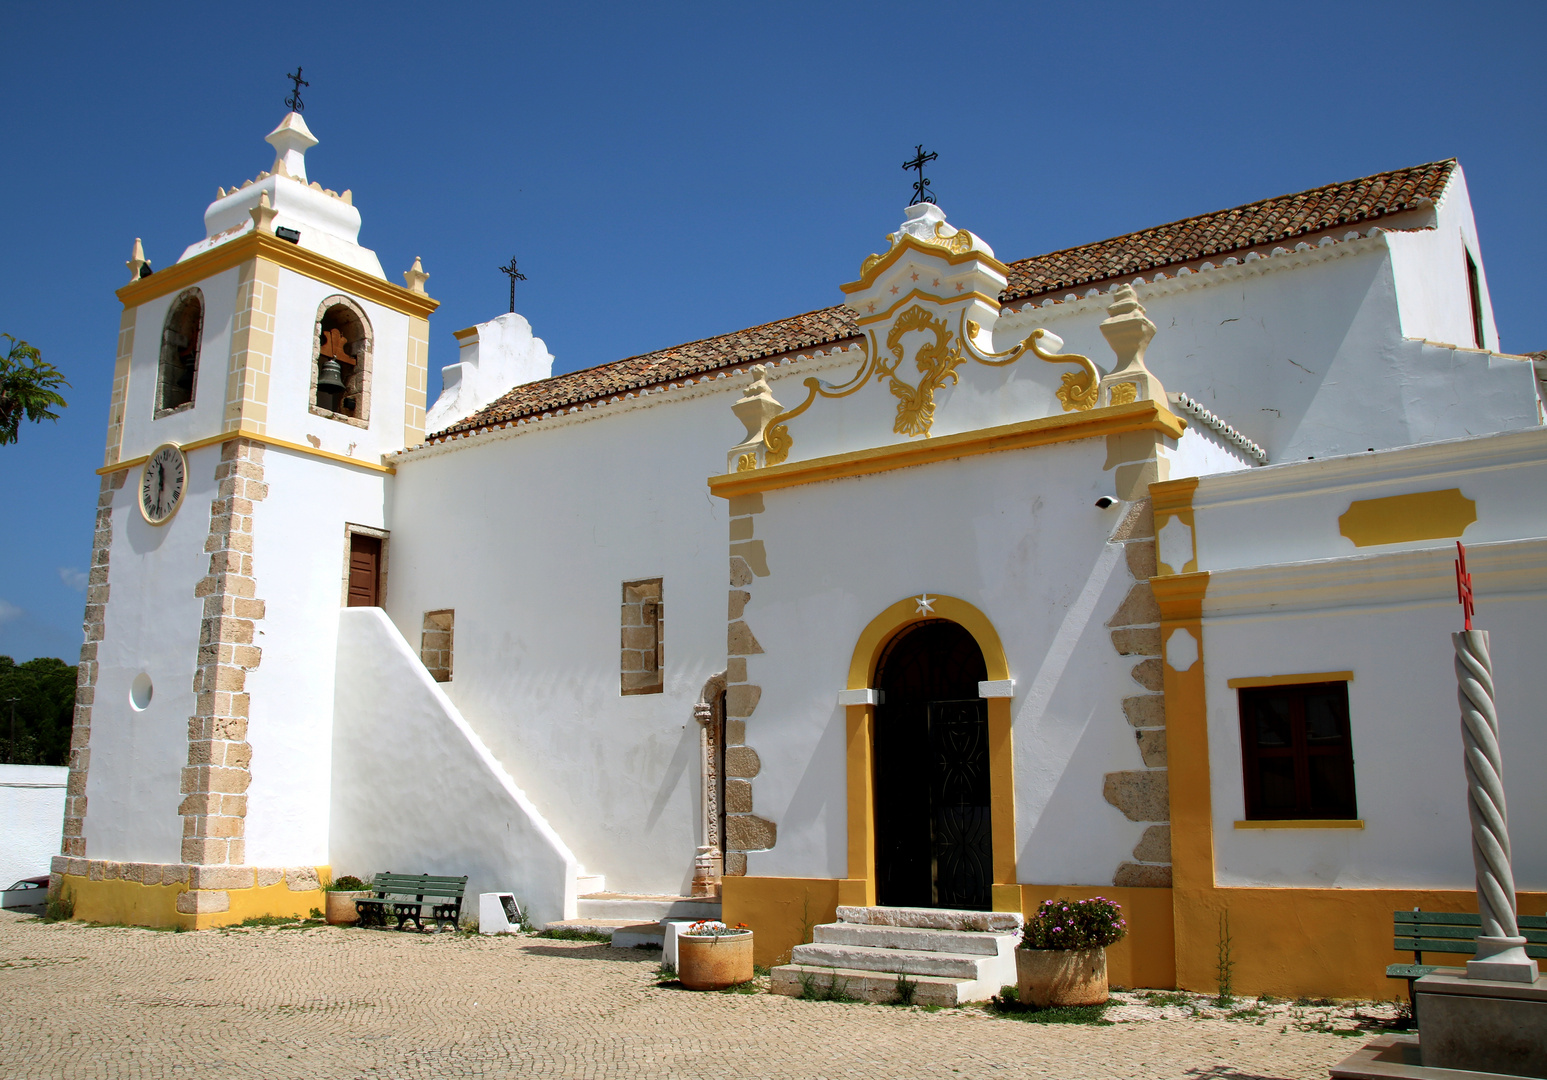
<point x="667" y="172"/>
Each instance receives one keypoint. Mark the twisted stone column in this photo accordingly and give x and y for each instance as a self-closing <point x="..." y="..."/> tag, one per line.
<point x="1500" y="948"/>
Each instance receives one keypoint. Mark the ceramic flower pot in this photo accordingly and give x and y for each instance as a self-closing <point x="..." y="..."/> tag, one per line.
<point x="1047" y="977"/>
<point x="706" y="962"/>
<point x="340" y="907"/>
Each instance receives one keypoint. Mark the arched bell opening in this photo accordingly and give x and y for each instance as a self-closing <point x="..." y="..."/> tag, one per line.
<point x="932" y="782"/>
<point x="341" y="365"/>
<point x="181" y="336"/>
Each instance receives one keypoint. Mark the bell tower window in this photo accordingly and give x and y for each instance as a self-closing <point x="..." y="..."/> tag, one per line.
<point x="341" y="362"/>
<point x="178" y="369"/>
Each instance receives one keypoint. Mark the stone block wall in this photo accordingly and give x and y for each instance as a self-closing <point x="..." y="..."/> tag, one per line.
<point x="744" y="830"/>
<point x="435" y="646"/>
<point x="74" y="839"/>
<point x="214" y="782"/>
<point x="641" y="645"/>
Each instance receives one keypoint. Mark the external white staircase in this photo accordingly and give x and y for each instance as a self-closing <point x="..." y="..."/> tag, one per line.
<point x="940" y="956"/>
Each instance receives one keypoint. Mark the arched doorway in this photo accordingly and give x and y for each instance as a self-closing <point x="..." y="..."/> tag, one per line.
<point x="933" y="822"/>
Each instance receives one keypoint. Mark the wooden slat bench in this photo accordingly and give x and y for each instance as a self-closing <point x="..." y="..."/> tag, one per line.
<point x="1450" y="932"/>
<point x="435" y="898"/>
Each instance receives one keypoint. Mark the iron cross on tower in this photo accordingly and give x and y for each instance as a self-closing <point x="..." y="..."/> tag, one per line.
<point x="921" y="185"/>
<point x="293" y="101"/>
<point x="515" y="276"/>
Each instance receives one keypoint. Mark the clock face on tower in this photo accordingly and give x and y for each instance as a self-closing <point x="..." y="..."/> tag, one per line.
<point x="162" y="483"/>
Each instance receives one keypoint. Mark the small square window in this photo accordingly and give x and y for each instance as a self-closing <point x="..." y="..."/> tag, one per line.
<point x="1297" y="753"/>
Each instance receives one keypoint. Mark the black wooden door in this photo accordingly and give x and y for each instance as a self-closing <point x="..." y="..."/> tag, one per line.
<point x="933" y="845"/>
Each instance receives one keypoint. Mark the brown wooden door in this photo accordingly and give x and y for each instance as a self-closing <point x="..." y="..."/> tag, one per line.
<point x="364" y="570"/>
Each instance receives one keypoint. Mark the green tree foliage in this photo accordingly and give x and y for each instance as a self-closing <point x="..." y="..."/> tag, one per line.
<point x="44" y="693"/>
<point x="28" y="388"/>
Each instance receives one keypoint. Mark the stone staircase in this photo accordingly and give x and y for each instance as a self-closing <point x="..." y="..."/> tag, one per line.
<point x="949" y="957"/>
<point x="633" y="920"/>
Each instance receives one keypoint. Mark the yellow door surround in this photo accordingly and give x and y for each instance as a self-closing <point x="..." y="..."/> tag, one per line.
<point x="859" y="887"/>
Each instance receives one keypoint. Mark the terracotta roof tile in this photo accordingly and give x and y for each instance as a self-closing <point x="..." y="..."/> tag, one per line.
<point x="1264" y="222"/>
<point x="1267" y="221"/>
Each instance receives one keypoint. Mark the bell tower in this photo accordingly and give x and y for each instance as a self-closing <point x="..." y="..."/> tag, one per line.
<point x="261" y="380"/>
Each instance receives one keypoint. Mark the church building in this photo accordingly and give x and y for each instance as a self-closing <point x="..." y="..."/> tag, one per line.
<point x="1123" y="570"/>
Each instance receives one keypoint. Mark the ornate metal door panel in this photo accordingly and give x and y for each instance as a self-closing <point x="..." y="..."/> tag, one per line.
<point x="960" y="839"/>
<point x="931" y="759"/>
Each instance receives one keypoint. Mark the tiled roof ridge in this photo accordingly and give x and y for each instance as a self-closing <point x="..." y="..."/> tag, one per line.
<point x="1184" y="240"/>
<point x="1197" y="237"/>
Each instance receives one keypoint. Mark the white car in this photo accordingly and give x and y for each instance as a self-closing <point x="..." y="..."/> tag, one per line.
<point x="29" y="892"/>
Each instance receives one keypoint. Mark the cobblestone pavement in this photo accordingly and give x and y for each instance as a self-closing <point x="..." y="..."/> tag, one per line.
<point x="109" y="1002"/>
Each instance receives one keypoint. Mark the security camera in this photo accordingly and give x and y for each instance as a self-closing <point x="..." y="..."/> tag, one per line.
<point x="1105" y="501"/>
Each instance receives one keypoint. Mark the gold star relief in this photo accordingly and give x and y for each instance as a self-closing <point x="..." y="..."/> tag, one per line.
<point x="937" y="283"/>
<point x="894" y="290"/>
<point x="872" y="308"/>
<point x="915" y="275"/>
<point x="958" y="286"/>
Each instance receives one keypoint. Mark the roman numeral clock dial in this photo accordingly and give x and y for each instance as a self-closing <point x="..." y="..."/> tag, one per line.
<point x="162" y="483"/>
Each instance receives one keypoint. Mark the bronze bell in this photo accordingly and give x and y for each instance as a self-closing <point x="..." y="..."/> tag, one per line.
<point x="330" y="377"/>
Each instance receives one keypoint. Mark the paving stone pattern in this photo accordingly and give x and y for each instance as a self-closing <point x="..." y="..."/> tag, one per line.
<point x="109" y="1002"/>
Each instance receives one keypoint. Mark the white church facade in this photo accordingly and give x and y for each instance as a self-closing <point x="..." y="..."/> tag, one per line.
<point x="1122" y="571"/>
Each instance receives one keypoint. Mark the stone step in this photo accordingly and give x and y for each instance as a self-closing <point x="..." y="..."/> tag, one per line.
<point x="876" y="987"/>
<point x="625" y="933"/>
<point x="893" y="961"/>
<point x="917" y="939"/>
<point x="636" y="908"/>
<point x="932" y="918"/>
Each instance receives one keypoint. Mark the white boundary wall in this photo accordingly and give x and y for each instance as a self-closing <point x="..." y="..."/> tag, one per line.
<point x="32" y="813"/>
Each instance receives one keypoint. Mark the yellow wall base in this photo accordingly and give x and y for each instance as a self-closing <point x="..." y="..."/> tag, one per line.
<point x="1147" y="956"/>
<point x="130" y="903"/>
<point x="1308" y="942"/>
<point x="780" y="911"/>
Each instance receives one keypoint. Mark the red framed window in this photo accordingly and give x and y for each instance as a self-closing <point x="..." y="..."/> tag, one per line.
<point x="1297" y="753"/>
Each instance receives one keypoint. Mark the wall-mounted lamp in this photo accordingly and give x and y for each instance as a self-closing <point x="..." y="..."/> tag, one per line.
<point x="1105" y="501"/>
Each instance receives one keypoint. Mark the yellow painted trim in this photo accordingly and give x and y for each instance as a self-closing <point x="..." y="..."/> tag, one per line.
<point x="462" y="335"/>
<point x="1043" y="431"/>
<point x="1304" y="823"/>
<point x="290" y="256"/>
<point x="1147" y="956"/>
<point x="1398" y="519"/>
<point x="266" y="440"/>
<point x="1169" y="496"/>
<point x="1180" y="596"/>
<point x="1291" y="680"/>
<point x="860" y="769"/>
<point x="130" y="903"/>
<point x="920" y="294"/>
<point x="780" y="911"/>
<point x="860" y="777"/>
<point x="909" y="243"/>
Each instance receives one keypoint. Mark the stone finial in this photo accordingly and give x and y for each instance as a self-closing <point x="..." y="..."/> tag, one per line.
<point x="290" y="140"/>
<point x="137" y="261"/>
<point x="263" y="214"/>
<point x="1128" y="331"/>
<point x="756" y="408"/>
<point x="415" y="277"/>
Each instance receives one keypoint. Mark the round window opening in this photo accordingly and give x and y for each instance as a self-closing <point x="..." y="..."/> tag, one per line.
<point x="140" y="692"/>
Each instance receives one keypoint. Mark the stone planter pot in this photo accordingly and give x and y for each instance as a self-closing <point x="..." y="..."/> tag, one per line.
<point x="705" y="962"/>
<point x="340" y="907"/>
<point x="1047" y="977"/>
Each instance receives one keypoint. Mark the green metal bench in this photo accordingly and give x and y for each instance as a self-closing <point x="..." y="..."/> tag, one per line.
<point x="1450" y="932"/>
<point x="443" y="906"/>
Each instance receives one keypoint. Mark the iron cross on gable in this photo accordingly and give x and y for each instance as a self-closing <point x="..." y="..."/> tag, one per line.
<point x="921" y="185"/>
<point x="293" y="101"/>
<point x="515" y="276"/>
